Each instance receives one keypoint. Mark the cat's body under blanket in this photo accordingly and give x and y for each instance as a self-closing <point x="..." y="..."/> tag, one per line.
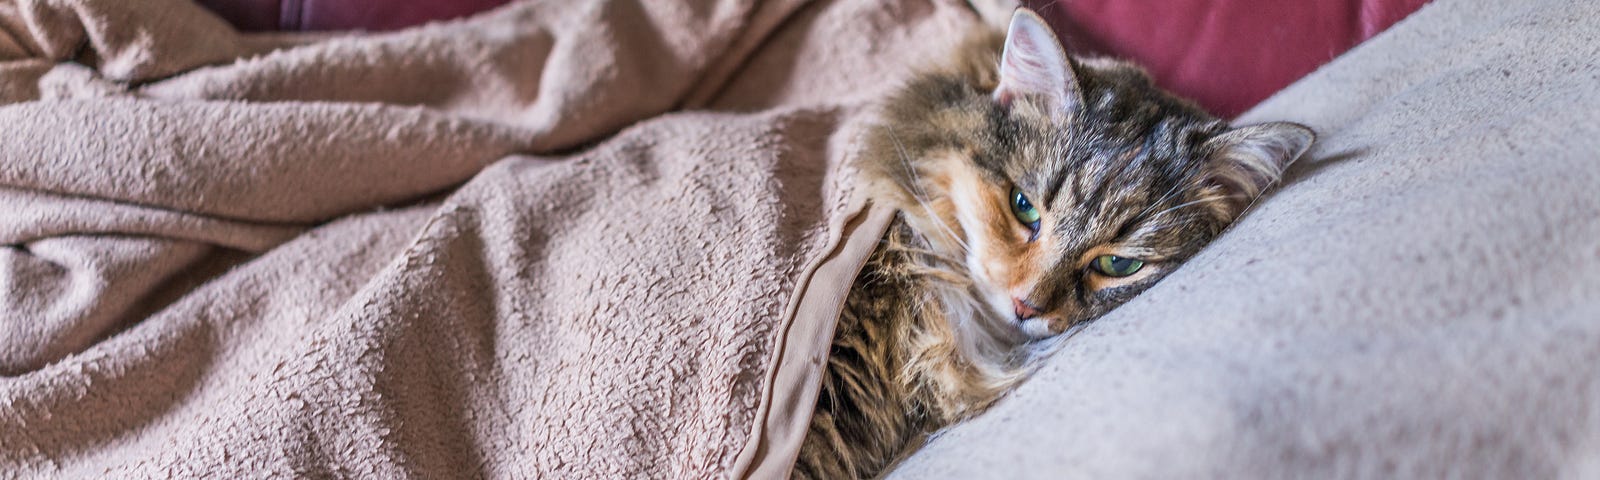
<point x="1036" y="192"/>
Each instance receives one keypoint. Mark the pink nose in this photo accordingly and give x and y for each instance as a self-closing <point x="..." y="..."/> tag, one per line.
<point x="1024" y="309"/>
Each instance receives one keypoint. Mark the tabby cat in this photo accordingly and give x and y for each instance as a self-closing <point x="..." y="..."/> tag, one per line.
<point x="1035" y="191"/>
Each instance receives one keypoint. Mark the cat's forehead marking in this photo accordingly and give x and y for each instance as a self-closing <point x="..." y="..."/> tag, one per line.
<point x="1102" y="194"/>
<point x="1060" y="170"/>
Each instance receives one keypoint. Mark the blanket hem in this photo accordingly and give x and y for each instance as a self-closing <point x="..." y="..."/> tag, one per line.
<point x="802" y="350"/>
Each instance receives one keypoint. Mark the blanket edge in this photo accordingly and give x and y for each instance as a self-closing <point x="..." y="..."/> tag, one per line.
<point x="792" y="384"/>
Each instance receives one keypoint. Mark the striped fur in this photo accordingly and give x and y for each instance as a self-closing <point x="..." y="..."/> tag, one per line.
<point x="929" y="334"/>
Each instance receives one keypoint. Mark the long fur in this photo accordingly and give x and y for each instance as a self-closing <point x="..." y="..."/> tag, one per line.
<point x="928" y="335"/>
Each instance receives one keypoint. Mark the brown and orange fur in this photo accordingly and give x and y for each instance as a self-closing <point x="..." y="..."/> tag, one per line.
<point x="961" y="297"/>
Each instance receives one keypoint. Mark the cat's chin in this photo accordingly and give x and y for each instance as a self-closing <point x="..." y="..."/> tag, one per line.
<point x="998" y="311"/>
<point x="1037" y="328"/>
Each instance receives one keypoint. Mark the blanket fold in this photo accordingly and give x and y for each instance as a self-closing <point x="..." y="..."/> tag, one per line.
<point x="126" y="41"/>
<point x="487" y="247"/>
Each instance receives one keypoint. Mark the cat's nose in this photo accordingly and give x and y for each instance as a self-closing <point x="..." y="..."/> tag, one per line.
<point x="1024" y="309"/>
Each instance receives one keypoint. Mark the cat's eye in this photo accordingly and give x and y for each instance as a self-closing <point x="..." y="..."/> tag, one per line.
<point x="1024" y="210"/>
<point x="1115" y="266"/>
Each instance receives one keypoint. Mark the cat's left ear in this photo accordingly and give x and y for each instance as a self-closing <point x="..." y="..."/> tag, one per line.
<point x="1035" y="65"/>
<point x="1245" y="161"/>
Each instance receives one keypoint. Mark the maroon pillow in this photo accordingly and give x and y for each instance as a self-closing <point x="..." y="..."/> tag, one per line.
<point x="1227" y="55"/>
<point x="292" y="15"/>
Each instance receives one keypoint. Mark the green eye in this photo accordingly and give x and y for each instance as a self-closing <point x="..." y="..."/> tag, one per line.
<point x="1114" y="266"/>
<point x="1023" y="209"/>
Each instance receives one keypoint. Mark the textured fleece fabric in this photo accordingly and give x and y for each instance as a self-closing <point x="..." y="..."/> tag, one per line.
<point x="1421" y="299"/>
<point x="559" y="240"/>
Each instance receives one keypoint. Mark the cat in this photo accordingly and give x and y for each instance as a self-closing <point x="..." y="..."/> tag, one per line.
<point x="1035" y="191"/>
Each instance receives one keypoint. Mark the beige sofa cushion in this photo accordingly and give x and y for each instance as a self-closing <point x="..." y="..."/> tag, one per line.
<point x="1420" y="300"/>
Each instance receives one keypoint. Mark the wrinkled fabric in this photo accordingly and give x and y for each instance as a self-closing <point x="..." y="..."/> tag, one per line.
<point x="557" y="240"/>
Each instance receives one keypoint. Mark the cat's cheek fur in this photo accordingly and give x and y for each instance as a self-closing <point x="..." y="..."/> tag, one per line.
<point x="999" y="253"/>
<point x="1004" y="262"/>
<point x="1005" y="259"/>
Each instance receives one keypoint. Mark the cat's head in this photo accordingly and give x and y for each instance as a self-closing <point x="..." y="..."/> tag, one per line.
<point x="1064" y="187"/>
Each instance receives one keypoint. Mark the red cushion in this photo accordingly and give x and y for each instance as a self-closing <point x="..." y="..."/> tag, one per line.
<point x="1227" y="55"/>
<point x="272" y="15"/>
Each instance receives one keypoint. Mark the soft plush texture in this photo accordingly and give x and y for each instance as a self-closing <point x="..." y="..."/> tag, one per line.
<point x="478" y="248"/>
<point x="1421" y="299"/>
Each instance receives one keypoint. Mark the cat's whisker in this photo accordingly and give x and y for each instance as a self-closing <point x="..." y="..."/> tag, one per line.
<point x="940" y="223"/>
<point x="1146" y="232"/>
<point x="1175" y="190"/>
<point x="932" y="255"/>
<point x="1248" y="206"/>
<point x="918" y="193"/>
<point x="1210" y="198"/>
<point x="940" y="274"/>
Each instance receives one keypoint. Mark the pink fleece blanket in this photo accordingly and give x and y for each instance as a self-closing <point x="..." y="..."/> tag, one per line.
<point x="559" y="240"/>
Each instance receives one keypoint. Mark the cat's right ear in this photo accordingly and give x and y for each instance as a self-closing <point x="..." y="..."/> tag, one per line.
<point x="1245" y="161"/>
<point x="1035" y="65"/>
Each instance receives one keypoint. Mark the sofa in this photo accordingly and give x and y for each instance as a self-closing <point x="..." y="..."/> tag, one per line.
<point x="609" y="240"/>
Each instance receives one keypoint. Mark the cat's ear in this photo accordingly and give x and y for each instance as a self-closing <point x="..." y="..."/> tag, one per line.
<point x="1035" y="65"/>
<point x="1245" y="161"/>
